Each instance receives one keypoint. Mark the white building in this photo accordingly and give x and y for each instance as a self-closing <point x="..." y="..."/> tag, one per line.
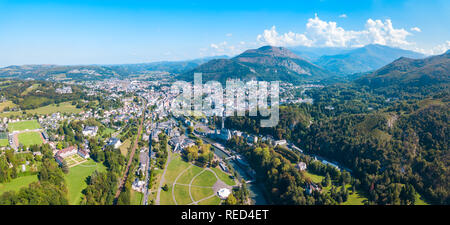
<point x="90" y="130"/>
<point x="301" y="166"/>
<point x="224" y="193"/>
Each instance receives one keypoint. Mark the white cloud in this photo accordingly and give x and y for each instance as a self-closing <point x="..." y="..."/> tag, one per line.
<point x="272" y="37"/>
<point x="416" y="29"/>
<point x="323" y="33"/>
<point x="225" y="48"/>
<point x="343" y="16"/>
<point x="436" y="50"/>
<point x="229" y="34"/>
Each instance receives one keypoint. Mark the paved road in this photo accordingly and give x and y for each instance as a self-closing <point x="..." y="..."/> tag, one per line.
<point x="130" y="160"/>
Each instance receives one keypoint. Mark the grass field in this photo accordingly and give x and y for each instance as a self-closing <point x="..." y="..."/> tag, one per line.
<point x="136" y="197"/>
<point x="18" y="183"/>
<point x="4" y="142"/>
<point x="206" y="178"/>
<point x="30" y="138"/>
<point x="353" y="198"/>
<point x="201" y="179"/>
<point x="29" y="89"/>
<point x="175" y="167"/>
<point x="314" y="178"/>
<point x="5" y="104"/>
<point x="419" y="200"/>
<point x="23" y="125"/>
<point x="124" y="147"/>
<point x="182" y="194"/>
<point x="211" y="201"/>
<point x="224" y="177"/>
<point x="64" y="107"/>
<point x="189" y="174"/>
<point x="76" y="179"/>
<point x="107" y="131"/>
<point x="166" y="197"/>
<point x="199" y="193"/>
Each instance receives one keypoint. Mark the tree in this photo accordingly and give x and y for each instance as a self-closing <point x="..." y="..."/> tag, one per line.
<point x="190" y="129"/>
<point x="165" y="187"/>
<point x="231" y="200"/>
<point x="327" y="181"/>
<point x="65" y="167"/>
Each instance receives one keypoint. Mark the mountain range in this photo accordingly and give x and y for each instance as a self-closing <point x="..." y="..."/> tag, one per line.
<point x="411" y="74"/>
<point x="266" y="63"/>
<point x="300" y="64"/>
<point x="367" y="58"/>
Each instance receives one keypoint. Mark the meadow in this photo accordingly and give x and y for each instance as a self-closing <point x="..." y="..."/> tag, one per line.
<point x="4" y="142"/>
<point x="17" y="183"/>
<point x="64" y="107"/>
<point x="76" y="179"/>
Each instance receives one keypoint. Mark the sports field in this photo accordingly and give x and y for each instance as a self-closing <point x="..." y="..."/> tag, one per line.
<point x="23" y="125"/>
<point x="190" y="184"/>
<point x="30" y="138"/>
<point x="76" y="179"/>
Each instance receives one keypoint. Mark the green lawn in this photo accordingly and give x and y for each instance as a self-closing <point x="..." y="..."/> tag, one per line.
<point x="353" y="199"/>
<point x="200" y="193"/>
<point x="188" y="171"/>
<point x="166" y="197"/>
<point x="124" y="147"/>
<point x="206" y="178"/>
<point x="4" y="142"/>
<point x="210" y="201"/>
<point x="224" y="176"/>
<point x="419" y="200"/>
<point x="76" y="179"/>
<point x="189" y="174"/>
<point x="64" y="107"/>
<point x="182" y="194"/>
<point x="136" y="197"/>
<point x="314" y="178"/>
<point x="5" y="104"/>
<point x="175" y="167"/>
<point x="30" y="138"/>
<point x="107" y="131"/>
<point x="30" y="88"/>
<point x="23" y="125"/>
<point x="18" y="183"/>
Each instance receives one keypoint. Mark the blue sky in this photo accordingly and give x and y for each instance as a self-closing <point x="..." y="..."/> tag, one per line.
<point x="110" y="32"/>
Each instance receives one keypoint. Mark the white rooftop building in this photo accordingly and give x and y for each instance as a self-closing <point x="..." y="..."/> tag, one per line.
<point x="224" y="193"/>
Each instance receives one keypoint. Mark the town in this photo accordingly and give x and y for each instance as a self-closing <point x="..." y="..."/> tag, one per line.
<point x="169" y="156"/>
